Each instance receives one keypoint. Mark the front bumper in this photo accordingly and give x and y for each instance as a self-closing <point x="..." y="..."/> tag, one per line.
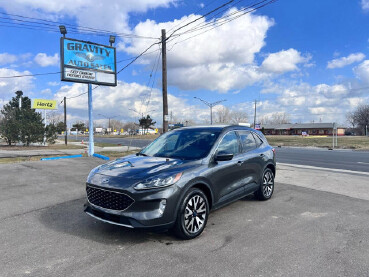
<point x="145" y="212"/>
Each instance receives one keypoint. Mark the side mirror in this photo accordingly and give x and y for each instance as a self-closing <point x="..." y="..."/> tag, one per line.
<point x="223" y="156"/>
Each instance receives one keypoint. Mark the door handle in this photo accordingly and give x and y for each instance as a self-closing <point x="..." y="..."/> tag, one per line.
<point x="262" y="155"/>
<point x="240" y="162"/>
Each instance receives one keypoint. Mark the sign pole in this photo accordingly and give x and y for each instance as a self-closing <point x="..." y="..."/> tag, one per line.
<point x="90" y="124"/>
<point x="45" y="128"/>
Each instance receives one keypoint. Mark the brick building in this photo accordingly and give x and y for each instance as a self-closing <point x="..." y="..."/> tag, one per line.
<point x="312" y="129"/>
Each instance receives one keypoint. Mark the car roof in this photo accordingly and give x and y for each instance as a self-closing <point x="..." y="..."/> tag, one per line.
<point x="219" y="127"/>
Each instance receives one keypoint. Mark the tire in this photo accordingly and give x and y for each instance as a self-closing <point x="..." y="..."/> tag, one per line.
<point x="266" y="188"/>
<point x="192" y="215"/>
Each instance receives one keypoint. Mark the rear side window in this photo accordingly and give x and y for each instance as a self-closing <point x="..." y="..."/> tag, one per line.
<point x="247" y="140"/>
<point x="258" y="140"/>
<point x="229" y="144"/>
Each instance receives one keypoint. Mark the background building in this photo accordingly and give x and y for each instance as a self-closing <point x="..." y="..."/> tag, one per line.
<point x="312" y="129"/>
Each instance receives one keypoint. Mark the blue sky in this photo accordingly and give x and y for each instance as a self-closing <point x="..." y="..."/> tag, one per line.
<point x="307" y="59"/>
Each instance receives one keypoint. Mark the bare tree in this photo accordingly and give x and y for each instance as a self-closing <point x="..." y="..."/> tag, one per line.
<point x="54" y="117"/>
<point x="116" y="124"/>
<point x="360" y="118"/>
<point x="130" y="127"/>
<point x="188" y="122"/>
<point x="222" y="115"/>
<point x="238" y="117"/>
<point x="350" y="117"/>
<point x="275" y="118"/>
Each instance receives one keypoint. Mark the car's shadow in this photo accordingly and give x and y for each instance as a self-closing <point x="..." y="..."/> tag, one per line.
<point x="69" y="218"/>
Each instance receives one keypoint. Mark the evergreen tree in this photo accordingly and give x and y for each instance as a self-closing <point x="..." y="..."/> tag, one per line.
<point x="21" y="124"/>
<point x="146" y="123"/>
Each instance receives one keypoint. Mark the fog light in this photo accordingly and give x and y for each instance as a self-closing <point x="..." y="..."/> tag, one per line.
<point x="162" y="205"/>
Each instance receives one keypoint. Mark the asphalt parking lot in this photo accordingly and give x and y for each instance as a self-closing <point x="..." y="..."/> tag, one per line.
<point x="316" y="224"/>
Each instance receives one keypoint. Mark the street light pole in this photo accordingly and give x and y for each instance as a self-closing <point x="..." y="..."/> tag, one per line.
<point x="211" y="105"/>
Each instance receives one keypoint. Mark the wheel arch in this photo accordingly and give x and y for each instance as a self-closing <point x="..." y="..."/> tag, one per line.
<point x="272" y="167"/>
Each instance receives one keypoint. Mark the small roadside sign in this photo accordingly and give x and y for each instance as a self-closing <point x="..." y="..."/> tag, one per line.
<point x="44" y="104"/>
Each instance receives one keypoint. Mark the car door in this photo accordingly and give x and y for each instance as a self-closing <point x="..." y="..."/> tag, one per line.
<point x="226" y="176"/>
<point x="251" y="160"/>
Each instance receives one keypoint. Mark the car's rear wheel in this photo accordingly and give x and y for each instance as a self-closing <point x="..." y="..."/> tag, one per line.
<point x="266" y="188"/>
<point x="192" y="215"/>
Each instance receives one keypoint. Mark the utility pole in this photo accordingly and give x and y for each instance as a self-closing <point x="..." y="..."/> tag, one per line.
<point x="333" y="136"/>
<point x="255" y="115"/>
<point x="65" y="121"/>
<point x="108" y="117"/>
<point x="164" y="77"/>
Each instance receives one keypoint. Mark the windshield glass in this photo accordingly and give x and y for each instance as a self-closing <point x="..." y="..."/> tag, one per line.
<point x="188" y="144"/>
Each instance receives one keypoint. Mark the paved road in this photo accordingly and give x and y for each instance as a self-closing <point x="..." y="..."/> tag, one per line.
<point x="340" y="159"/>
<point x="299" y="232"/>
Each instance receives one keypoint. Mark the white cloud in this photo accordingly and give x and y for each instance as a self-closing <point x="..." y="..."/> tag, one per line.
<point x="362" y="71"/>
<point x="307" y="103"/>
<point x="6" y="58"/>
<point x="344" y="61"/>
<point x="112" y="15"/>
<point x="44" y="60"/>
<point x="219" y="59"/>
<point x="283" y="61"/>
<point x="46" y="91"/>
<point x="53" y="84"/>
<point x="365" y="5"/>
<point x="9" y="86"/>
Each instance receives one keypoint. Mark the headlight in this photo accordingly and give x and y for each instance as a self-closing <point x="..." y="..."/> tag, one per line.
<point x="92" y="173"/>
<point x="159" y="182"/>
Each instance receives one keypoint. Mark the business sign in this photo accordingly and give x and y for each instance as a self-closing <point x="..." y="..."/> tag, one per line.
<point x="87" y="62"/>
<point x="44" y="104"/>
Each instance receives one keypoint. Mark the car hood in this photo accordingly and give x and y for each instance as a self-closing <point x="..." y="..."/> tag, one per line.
<point x="138" y="167"/>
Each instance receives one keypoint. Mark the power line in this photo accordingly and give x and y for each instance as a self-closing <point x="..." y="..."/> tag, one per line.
<point x="58" y="72"/>
<point x="137" y="57"/>
<point x="194" y="13"/>
<point x="72" y="26"/>
<point x="222" y="23"/>
<point x="155" y="68"/>
<point x="29" y="75"/>
<point x="193" y="21"/>
<point x="203" y="25"/>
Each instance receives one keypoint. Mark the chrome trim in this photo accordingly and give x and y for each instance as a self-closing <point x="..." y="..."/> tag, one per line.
<point x="110" y="222"/>
<point x="109" y="210"/>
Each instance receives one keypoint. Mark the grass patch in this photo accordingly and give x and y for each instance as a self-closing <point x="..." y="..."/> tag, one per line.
<point x="40" y="147"/>
<point x="344" y="142"/>
<point x="25" y="159"/>
<point x="103" y="144"/>
<point x="115" y="154"/>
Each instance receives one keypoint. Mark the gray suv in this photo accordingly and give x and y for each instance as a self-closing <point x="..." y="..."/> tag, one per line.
<point x="180" y="177"/>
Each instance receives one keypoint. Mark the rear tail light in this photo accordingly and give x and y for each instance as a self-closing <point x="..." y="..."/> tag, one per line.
<point x="273" y="149"/>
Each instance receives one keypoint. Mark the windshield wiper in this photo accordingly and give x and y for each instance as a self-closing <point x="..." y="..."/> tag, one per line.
<point x="141" y="154"/>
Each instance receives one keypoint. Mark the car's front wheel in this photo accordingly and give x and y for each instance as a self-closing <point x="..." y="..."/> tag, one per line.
<point x="192" y="214"/>
<point x="266" y="188"/>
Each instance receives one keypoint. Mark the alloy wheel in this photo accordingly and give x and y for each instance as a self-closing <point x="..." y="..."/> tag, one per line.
<point x="268" y="184"/>
<point x="195" y="214"/>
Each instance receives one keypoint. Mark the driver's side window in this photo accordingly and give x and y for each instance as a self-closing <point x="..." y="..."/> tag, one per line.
<point x="229" y="144"/>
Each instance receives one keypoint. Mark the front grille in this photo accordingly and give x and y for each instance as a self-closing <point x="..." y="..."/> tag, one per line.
<point x="108" y="199"/>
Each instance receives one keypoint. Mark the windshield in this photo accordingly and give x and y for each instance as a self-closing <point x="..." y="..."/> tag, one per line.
<point x="188" y="144"/>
